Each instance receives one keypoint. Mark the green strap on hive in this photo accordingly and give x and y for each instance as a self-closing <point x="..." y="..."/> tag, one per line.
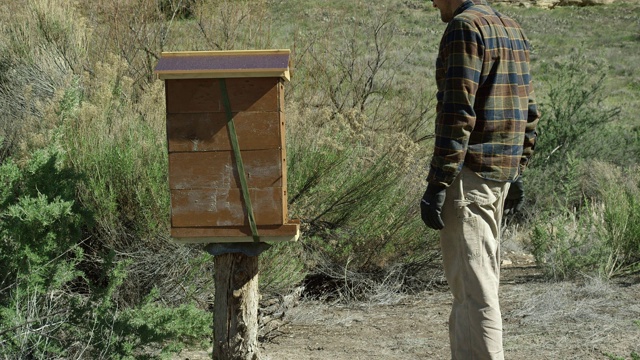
<point x="236" y="152"/>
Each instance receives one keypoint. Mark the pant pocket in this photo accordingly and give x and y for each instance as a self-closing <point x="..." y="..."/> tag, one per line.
<point x="472" y="236"/>
<point x="469" y="229"/>
<point x="468" y="211"/>
<point x="481" y="198"/>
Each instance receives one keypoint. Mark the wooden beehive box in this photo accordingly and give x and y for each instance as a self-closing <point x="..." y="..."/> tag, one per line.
<point x="206" y="193"/>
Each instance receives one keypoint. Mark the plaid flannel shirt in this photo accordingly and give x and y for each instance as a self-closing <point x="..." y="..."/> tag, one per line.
<point x="486" y="111"/>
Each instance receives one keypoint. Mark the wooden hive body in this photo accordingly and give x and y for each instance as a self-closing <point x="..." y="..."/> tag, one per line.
<point x="206" y="193"/>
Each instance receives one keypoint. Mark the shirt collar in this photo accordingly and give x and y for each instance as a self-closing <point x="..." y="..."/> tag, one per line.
<point x="469" y="3"/>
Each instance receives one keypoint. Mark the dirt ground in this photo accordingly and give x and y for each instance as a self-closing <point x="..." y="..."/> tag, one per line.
<point x="542" y="320"/>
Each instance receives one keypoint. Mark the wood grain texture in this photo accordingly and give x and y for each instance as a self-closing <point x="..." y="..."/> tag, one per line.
<point x="203" y="177"/>
<point x="234" y="239"/>
<point x="291" y="230"/>
<point x="225" y="207"/>
<point x="209" y="131"/>
<point x="203" y="95"/>
<point x="217" y="170"/>
<point x="284" y="159"/>
<point x="235" y="325"/>
<point x="226" y="74"/>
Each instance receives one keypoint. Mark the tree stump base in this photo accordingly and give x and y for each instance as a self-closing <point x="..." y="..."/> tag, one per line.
<point x="235" y="334"/>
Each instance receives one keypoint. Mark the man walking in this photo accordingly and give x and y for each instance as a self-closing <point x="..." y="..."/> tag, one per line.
<point x="485" y="135"/>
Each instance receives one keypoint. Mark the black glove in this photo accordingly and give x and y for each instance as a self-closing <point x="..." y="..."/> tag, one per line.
<point x="515" y="197"/>
<point x="431" y="206"/>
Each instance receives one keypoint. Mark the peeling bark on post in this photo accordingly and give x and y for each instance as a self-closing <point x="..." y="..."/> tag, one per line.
<point x="235" y="335"/>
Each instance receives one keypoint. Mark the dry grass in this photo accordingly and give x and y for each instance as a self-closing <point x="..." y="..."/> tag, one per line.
<point x="572" y="321"/>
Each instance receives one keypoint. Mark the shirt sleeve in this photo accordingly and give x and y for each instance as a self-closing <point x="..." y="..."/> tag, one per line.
<point x="533" y="117"/>
<point x="460" y="58"/>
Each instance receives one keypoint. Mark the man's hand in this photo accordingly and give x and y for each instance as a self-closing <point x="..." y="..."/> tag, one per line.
<point x="515" y="197"/>
<point x="431" y="206"/>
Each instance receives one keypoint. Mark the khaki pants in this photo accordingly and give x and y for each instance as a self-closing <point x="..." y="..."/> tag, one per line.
<point x="470" y="244"/>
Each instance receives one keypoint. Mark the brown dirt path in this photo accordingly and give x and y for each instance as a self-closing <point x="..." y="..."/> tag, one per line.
<point x="542" y="320"/>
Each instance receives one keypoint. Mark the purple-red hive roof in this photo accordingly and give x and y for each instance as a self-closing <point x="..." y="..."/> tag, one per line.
<point x="220" y="64"/>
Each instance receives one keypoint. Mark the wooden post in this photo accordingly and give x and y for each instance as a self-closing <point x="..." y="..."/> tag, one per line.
<point x="235" y="330"/>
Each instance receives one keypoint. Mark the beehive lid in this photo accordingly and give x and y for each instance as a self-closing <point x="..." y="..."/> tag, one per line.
<point x="223" y="64"/>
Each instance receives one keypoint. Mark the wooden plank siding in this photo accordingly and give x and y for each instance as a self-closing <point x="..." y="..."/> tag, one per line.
<point x="225" y="207"/>
<point x="217" y="169"/>
<point x="209" y="132"/>
<point x="203" y="178"/>
<point x="232" y="233"/>
<point x="203" y="95"/>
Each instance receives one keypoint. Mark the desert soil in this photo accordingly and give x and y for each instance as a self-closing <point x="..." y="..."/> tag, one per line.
<point x="590" y="319"/>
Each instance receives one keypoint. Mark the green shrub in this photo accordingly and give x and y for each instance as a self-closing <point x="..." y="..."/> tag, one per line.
<point x="573" y="107"/>
<point x="601" y="237"/>
<point x="621" y="223"/>
<point x="355" y="193"/>
<point x="48" y="306"/>
<point x="40" y="221"/>
<point x="572" y="127"/>
<point x="40" y="224"/>
<point x="180" y="9"/>
<point x="149" y="330"/>
<point x="282" y="267"/>
<point x="588" y="204"/>
<point x="565" y="245"/>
